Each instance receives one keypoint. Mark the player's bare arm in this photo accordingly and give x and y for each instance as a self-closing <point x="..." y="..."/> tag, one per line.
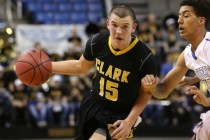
<point x="72" y="67"/>
<point x="171" y="80"/>
<point x="187" y="81"/>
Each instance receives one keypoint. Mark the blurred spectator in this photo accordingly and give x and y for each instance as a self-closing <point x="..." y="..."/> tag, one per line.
<point x="83" y="84"/>
<point x="75" y="48"/>
<point x="77" y="91"/>
<point x="172" y="41"/>
<point x="179" y="108"/>
<point x="38" y="46"/>
<point x="1" y="76"/>
<point x="37" y="106"/>
<point x="5" y="108"/>
<point x="144" y="33"/>
<point x="154" y="114"/>
<point x="167" y="65"/>
<point x="58" y="106"/>
<point x="74" y="105"/>
<point x="8" y="76"/>
<point x="6" y="52"/>
<point x="19" y="102"/>
<point x="153" y="23"/>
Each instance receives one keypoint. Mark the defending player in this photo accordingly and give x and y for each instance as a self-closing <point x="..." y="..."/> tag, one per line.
<point x="193" y="21"/>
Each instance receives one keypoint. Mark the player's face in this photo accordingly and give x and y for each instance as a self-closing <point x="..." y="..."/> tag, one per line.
<point x="120" y="31"/>
<point x="189" y="23"/>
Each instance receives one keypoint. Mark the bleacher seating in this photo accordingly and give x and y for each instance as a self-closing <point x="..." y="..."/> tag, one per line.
<point x="64" y="11"/>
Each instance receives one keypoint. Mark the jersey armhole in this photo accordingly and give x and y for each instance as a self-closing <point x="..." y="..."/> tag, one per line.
<point x="93" y="42"/>
<point x="143" y="61"/>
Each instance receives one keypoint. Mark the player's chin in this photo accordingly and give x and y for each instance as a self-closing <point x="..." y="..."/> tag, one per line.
<point x="183" y="35"/>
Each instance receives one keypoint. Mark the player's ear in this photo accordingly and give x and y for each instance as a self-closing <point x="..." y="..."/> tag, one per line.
<point x="202" y="20"/>
<point x="134" y="27"/>
<point x="107" y="23"/>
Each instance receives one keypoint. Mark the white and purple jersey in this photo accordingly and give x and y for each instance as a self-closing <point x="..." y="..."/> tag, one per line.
<point x="199" y="61"/>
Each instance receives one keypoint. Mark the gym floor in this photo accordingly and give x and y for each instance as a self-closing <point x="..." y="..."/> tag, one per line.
<point x="137" y="138"/>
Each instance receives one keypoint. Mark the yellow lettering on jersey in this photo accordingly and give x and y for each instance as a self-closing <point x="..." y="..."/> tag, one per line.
<point x="117" y="73"/>
<point x="109" y="71"/>
<point x="112" y="72"/>
<point x="99" y="66"/>
<point x="112" y="90"/>
<point x="124" y="77"/>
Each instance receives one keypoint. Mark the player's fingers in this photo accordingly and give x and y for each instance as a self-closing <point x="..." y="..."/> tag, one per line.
<point x="115" y="133"/>
<point x="156" y="80"/>
<point x="195" y="97"/>
<point x="192" y="90"/>
<point x="148" y="80"/>
<point x="117" y="129"/>
<point x="117" y="123"/>
<point x="119" y="133"/>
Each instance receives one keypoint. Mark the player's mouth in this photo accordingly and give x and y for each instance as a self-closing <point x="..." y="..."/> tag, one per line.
<point x="181" y="29"/>
<point x="119" y="38"/>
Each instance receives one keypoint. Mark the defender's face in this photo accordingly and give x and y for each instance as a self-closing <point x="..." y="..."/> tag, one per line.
<point x="120" y="31"/>
<point x="189" y="23"/>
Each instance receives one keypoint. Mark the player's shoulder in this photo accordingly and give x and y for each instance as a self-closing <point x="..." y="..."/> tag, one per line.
<point x="142" y="45"/>
<point x="143" y="51"/>
<point x="103" y="35"/>
<point x="143" y="48"/>
<point x="207" y="36"/>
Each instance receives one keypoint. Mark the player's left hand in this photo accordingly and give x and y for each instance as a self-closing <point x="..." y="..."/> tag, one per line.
<point x="123" y="129"/>
<point x="198" y="95"/>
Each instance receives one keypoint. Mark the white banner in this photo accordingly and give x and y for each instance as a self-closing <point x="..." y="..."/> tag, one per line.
<point x="53" y="38"/>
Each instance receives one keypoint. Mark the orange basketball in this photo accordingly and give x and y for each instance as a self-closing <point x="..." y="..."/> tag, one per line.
<point x="34" y="68"/>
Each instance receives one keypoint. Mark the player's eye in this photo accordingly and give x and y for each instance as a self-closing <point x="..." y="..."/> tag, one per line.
<point x="125" y="27"/>
<point x="114" y="25"/>
<point x="186" y="15"/>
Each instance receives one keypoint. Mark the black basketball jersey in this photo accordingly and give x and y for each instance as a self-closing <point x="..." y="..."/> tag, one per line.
<point x="117" y="81"/>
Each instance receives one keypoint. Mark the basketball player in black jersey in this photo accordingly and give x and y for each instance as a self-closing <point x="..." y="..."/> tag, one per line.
<point x="121" y="60"/>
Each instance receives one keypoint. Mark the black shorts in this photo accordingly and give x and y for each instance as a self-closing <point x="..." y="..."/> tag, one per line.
<point x="92" y="116"/>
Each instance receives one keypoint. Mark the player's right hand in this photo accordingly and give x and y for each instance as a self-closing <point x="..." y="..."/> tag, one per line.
<point x="149" y="82"/>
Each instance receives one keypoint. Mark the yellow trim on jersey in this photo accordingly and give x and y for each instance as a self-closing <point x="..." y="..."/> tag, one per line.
<point x="124" y="50"/>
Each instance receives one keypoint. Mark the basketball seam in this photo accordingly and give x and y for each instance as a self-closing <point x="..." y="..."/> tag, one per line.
<point x="37" y="66"/>
<point x="27" y="70"/>
<point x="43" y="62"/>
<point x="44" y="66"/>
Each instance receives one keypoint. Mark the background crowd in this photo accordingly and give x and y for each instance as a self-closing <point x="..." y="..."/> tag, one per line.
<point x="56" y="102"/>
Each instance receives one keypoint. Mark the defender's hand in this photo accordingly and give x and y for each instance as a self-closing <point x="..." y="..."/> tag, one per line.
<point x="198" y="95"/>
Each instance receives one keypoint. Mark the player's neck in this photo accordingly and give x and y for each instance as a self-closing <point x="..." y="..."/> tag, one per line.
<point x="197" y="40"/>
